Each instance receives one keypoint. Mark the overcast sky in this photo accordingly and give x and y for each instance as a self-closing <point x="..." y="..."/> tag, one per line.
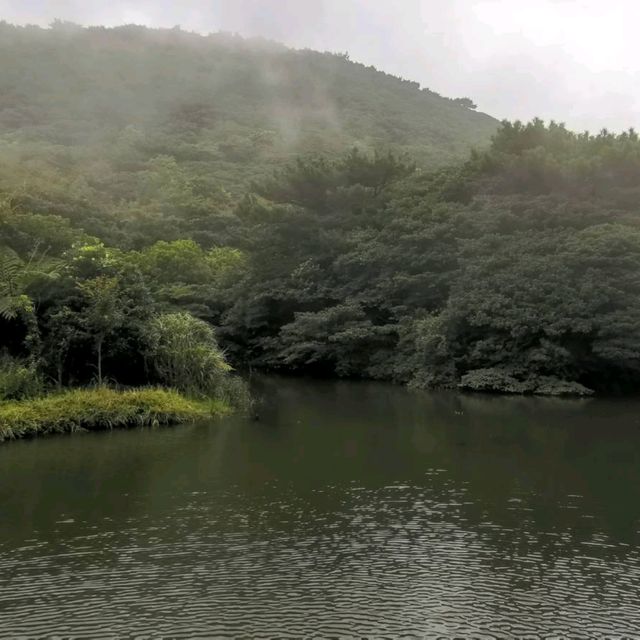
<point x="576" y="61"/>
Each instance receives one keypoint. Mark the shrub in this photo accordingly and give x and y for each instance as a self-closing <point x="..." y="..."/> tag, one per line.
<point x="185" y="355"/>
<point x="234" y="391"/>
<point x="505" y="381"/>
<point x="18" y="379"/>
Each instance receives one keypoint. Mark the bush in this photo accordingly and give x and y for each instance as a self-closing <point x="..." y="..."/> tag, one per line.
<point x="185" y="354"/>
<point x="18" y="379"/>
<point x="234" y="391"/>
<point x="504" y="381"/>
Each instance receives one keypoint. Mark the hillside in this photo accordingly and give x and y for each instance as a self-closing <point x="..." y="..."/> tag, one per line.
<point x="101" y="102"/>
<point x="293" y="201"/>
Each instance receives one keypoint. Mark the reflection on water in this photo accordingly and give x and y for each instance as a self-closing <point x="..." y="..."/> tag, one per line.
<point x="348" y="510"/>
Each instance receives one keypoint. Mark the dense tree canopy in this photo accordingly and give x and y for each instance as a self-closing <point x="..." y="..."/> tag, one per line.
<point x="123" y="243"/>
<point x="163" y="117"/>
<point x="515" y="271"/>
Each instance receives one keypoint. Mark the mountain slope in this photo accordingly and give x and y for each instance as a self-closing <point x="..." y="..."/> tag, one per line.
<point x="221" y="106"/>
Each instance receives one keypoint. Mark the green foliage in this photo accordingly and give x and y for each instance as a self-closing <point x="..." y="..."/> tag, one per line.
<point x="20" y="282"/>
<point x="316" y="212"/>
<point x="516" y="272"/>
<point x="155" y="128"/>
<point x="166" y="262"/>
<point x="99" y="409"/>
<point x="22" y="230"/>
<point x="18" y="278"/>
<point x="103" y="313"/>
<point x="467" y="103"/>
<point x="185" y="354"/>
<point x="233" y="391"/>
<point x="63" y="330"/>
<point x="18" y="379"/>
<point x="507" y="382"/>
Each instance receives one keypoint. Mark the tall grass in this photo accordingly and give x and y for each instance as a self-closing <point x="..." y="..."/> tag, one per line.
<point x="233" y="391"/>
<point x="101" y="408"/>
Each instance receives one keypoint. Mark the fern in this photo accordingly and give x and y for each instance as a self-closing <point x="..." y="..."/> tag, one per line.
<point x="11" y="268"/>
<point x="18" y="276"/>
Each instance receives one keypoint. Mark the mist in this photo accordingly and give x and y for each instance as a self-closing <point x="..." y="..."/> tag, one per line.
<point x="378" y="352"/>
<point x="575" y="61"/>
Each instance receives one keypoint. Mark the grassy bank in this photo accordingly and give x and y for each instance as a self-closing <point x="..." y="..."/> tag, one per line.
<point x="99" y="409"/>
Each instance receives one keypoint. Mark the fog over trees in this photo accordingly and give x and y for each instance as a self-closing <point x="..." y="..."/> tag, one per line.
<point x="324" y="216"/>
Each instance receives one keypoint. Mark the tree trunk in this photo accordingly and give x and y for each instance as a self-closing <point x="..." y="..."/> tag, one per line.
<point x="100" y="340"/>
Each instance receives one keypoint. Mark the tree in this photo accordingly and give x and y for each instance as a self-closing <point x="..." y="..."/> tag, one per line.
<point x="103" y="313"/>
<point x="62" y="332"/>
<point x="17" y="277"/>
<point x="467" y="103"/>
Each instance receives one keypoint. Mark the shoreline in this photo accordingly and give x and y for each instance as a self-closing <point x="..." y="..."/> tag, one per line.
<point x="101" y="409"/>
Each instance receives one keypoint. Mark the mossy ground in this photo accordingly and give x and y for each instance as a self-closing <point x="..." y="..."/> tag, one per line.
<point x="101" y="408"/>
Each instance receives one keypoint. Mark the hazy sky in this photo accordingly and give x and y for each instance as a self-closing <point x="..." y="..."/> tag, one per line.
<point x="576" y="61"/>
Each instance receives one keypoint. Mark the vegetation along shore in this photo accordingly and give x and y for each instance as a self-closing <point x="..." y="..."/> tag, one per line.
<point x="334" y="221"/>
<point x="102" y="408"/>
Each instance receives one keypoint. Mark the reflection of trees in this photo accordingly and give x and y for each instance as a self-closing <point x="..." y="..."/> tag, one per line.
<point x="535" y="450"/>
<point x="520" y="477"/>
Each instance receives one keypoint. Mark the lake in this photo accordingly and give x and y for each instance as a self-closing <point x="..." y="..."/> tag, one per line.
<point x="346" y="510"/>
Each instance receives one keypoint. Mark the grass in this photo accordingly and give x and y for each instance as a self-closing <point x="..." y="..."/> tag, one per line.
<point x="101" y="408"/>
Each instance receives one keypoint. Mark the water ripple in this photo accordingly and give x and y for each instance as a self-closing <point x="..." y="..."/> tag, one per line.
<point x="392" y="562"/>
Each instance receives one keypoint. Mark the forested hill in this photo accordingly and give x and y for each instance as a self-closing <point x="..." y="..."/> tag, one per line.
<point x="98" y="100"/>
<point x="123" y="156"/>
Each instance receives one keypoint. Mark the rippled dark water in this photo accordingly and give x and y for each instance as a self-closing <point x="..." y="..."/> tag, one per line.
<point x="349" y="510"/>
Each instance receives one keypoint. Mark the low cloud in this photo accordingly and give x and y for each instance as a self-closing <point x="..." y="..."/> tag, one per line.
<point x="576" y="61"/>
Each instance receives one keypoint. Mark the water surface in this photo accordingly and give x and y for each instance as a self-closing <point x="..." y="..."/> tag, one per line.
<point x="348" y="510"/>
